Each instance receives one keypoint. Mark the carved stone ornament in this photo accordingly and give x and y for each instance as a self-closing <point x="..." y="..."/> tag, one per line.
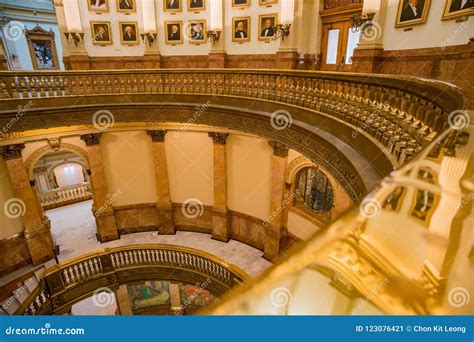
<point x="91" y="139"/>
<point x="157" y="136"/>
<point x="279" y="149"/>
<point x="11" y="151"/>
<point x="218" y="137"/>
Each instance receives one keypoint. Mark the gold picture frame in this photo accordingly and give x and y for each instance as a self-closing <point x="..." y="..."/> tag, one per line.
<point x="265" y="33"/>
<point x="123" y="6"/>
<point x="453" y="10"/>
<point x="409" y="15"/>
<point x="243" y="32"/>
<point x="195" y="36"/>
<point x="173" y="37"/>
<point x="267" y="2"/>
<point x="129" y="33"/>
<point x="101" y="33"/>
<point x="42" y="48"/>
<point x="196" y="8"/>
<point x="103" y="5"/>
<point x="241" y="3"/>
<point x="173" y="6"/>
<point x="394" y="200"/>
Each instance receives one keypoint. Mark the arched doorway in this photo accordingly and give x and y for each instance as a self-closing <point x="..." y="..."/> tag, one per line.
<point x="64" y="192"/>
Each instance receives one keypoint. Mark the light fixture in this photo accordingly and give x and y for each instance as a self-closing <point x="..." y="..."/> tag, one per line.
<point x="76" y="37"/>
<point x="361" y="21"/>
<point x="213" y="36"/>
<point x="149" y="38"/>
<point x="282" y="31"/>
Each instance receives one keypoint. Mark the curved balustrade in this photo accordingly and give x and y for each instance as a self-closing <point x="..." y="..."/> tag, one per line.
<point x="402" y="113"/>
<point x="64" y="196"/>
<point x="64" y="284"/>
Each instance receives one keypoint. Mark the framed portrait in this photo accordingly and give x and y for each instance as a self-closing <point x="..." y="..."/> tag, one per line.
<point x="129" y="32"/>
<point x="196" y="5"/>
<point x="267" y="26"/>
<point x="101" y="34"/>
<point x="424" y="204"/>
<point x="267" y="2"/>
<point x="126" y="6"/>
<point x="42" y="48"/>
<point x="197" y="31"/>
<point x="241" y="29"/>
<point x="172" y="5"/>
<point x="412" y="12"/>
<point x="98" y="5"/>
<point x="240" y="3"/>
<point x="458" y="8"/>
<point x="174" y="32"/>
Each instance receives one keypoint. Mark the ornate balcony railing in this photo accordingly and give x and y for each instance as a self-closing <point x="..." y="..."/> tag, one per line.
<point x="62" y="285"/>
<point x="64" y="196"/>
<point x="402" y="113"/>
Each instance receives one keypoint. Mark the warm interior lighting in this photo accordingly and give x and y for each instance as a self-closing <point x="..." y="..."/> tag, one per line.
<point x="149" y="19"/>
<point x="73" y="18"/>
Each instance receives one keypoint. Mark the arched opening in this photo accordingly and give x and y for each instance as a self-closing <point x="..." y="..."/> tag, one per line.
<point x="315" y="190"/>
<point x="64" y="192"/>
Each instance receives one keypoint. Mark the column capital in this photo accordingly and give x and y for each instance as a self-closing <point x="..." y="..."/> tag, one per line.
<point x="279" y="149"/>
<point x="11" y="151"/>
<point x="218" y="138"/>
<point x="158" y="135"/>
<point x="91" y="139"/>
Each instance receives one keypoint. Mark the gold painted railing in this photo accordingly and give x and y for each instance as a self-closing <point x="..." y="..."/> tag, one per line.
<point x="66" y="195"/>
<point x="66" y="283"/>
<point x="402" y="113"/>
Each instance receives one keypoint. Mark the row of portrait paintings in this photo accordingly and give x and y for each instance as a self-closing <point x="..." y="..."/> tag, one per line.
<point x="414" y="12"/>
<point x="195" y="30"/>
<point x="129" y="6"/>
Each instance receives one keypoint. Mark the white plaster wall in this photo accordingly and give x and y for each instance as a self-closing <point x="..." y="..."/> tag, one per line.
<point x="434" y="33"/>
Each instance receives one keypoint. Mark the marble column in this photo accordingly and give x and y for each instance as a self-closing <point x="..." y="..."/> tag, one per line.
<point x="275" y="226"/>
<point x="163" y="202"/>
<point x="102" y="207"/>
<point x="26" y="205"/>
<point x="220" y="213"/>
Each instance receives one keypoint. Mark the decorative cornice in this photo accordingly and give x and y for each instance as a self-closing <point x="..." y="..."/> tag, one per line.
<point x="11" y="151"/>
<point x="218" y="138"/>
<point x="158" y="135"/>
<point x="91" y="139"/>
<point x="279" y="149"/>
